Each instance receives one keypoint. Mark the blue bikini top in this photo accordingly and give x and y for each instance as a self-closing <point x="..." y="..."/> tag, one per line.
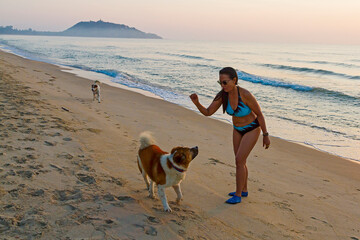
<point x="241" y="110"/>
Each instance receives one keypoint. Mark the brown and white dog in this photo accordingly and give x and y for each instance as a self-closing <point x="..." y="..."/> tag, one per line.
<point x="164" y="169"/>
<point x="95" y="88"/>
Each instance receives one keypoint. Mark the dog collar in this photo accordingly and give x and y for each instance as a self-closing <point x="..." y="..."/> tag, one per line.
<point x="176" y="168"/>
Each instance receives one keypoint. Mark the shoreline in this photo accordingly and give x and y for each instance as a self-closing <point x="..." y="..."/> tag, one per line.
<point x="103" y="78"/>
<point x="107" y="80"/>
<point x="93" y="183"/>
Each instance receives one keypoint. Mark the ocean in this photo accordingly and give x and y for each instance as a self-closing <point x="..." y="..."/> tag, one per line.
<point x="309" y="94"/>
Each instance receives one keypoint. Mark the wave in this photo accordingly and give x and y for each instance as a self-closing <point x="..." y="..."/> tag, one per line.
<point x="309" y="70"/>
<point x="271" y="82"/>
<point x="126" y="58"/>
<point x="327" y="63"/>
<point x="185" y="56"/>
<point x="276" y="83"/>
<point x="108" y="72"/>
<point x="196" y="65"/>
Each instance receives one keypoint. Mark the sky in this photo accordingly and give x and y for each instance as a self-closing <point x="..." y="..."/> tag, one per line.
<point x="282" y="21"/>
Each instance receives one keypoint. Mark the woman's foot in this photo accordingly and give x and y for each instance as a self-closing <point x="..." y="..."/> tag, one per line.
<point x="234" y="200"/>
<point x="243" y="194"/>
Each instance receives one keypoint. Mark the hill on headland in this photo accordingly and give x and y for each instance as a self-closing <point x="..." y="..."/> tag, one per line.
<point x="87" y="29"/>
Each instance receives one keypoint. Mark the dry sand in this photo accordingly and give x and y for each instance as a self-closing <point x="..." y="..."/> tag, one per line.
<point x="73" y="174"/>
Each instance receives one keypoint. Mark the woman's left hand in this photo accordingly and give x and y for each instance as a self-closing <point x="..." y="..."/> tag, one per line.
<point x="266" y="142"/>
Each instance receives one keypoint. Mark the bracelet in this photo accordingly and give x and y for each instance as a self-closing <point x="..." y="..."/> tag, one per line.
<point x="266" y="134"/>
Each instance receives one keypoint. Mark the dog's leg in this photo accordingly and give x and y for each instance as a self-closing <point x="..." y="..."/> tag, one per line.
<point x="143" y="173"/>
<point x="178" y="193"/>
<point x="161" y="192"/>
<point x="93" y="96"/>
<point x="151" y="190"/>
<point x="99" y="96"/>
<point x="146" y="179"/>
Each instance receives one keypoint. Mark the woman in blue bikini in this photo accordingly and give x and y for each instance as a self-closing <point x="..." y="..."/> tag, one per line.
<point x="247" y="119"/>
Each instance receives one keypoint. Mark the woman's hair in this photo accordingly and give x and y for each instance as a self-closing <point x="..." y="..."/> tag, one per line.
<point x="230" y="72"/>
<point x="222" y="94"/>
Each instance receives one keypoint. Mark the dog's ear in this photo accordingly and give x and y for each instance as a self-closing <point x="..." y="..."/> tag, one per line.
<point x="174" y="149"/>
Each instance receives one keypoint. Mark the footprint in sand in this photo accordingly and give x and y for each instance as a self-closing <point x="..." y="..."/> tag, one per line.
<point x="325" y="222"/>
<point x="31" y="156"/>
<point x="19" y="160"/>
<point x="25" y="174"/>
<point x="69" y="207"/>
<point x="66" y="195"/>
<point x="125" y="198"/>
<point x="298" y="194"/>
<point x="85" y="178"/>
<point x="149" y="230"/>
<point x="65" y="156"/>
<point x="283" y="205"/>
<point x="118" y="181"/>
<point x="109" y="197"/>
<point x="118" y="204"/>
<point x="153" y="220"/>
<point x="177" y="222"/>
<point x="36" y="167"/>
<point x="94" y="130"/>
<point x="55" y="134"/>
<point x="49" y="143"/>
<point x="59" y="169"/>
<point x="213" y="161"/>
<point x="37" y="193"/>
<point x="29" y="149"/>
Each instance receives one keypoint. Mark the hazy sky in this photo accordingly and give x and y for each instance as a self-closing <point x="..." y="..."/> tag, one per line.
<point x="304" y="21"/>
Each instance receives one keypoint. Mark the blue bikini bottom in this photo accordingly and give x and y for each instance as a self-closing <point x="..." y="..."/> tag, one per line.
<point x="247" y="128"/>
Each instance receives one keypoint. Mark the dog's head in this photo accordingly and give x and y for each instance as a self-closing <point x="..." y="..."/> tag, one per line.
<point x="182" y="156"/>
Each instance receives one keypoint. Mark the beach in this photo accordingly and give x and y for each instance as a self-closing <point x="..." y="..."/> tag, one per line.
<point x="68" y="169"/>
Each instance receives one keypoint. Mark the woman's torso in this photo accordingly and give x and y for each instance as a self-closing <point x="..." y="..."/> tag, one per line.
<point x="242" y="115"/>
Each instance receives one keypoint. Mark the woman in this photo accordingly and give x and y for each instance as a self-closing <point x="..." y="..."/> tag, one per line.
<point x="246" y="117"/>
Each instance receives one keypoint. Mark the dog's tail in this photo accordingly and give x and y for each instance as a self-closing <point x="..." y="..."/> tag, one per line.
<point x="146" y="140"/>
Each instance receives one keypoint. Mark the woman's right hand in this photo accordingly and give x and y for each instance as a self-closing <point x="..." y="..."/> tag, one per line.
<point x="194" y="98"/>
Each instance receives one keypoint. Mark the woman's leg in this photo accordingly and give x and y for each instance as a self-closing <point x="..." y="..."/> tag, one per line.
<point x="247" y="143"/>
<point x="246" y="180"/>
<point x="236" y="142"/>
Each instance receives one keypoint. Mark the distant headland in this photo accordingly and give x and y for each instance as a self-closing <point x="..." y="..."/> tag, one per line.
<point x="87" y="29"/>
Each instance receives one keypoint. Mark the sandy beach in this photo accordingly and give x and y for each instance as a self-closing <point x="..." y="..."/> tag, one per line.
<point x="68" y="169"/>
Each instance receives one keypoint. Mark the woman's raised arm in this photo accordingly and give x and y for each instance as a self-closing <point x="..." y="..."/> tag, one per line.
<point x="213" y="107"/>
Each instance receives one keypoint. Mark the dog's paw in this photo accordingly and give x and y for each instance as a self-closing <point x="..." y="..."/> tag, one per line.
<point x="178" y="200"/>
<point x="167" y="209"/>
<point x="152" y="196"/>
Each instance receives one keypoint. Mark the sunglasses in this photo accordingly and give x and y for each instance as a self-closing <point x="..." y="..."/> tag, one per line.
<point x="224" y="82"/>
